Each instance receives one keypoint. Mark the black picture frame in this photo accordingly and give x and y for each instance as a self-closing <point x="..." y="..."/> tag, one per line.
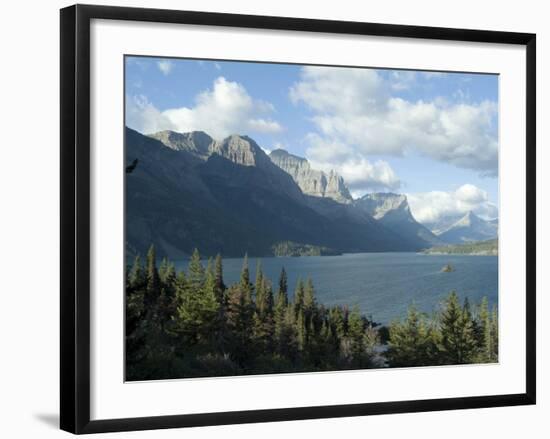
<point x="75" y="217"/>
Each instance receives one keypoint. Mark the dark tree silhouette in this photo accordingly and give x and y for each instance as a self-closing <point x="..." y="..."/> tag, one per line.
<point x="130" y="168"/>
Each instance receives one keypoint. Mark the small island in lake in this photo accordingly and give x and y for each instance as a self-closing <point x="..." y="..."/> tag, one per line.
<point x="479" y="248"/>
<point x="295" y="249"/>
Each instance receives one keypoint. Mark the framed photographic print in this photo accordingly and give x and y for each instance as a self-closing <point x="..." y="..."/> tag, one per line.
<point x="268" y="218"/>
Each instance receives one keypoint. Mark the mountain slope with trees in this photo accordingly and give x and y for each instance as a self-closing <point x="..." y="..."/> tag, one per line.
<point x="228" y="197"/>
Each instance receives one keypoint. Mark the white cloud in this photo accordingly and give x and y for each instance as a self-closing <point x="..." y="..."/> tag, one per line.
<point x="225" y="109"/>
<point x="143" y="116"/>
<point x="165" y="66"/>
<point x="264" y="126"/>
<point x="360" y="174"/>
<point x="402" y="80"/>
<point x="431" y="207"/>
<point x="355" y="107"/>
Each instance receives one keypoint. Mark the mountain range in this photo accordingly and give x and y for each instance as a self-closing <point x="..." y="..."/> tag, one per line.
<point x="469" y="228"/>
<point x="189" y="191"/>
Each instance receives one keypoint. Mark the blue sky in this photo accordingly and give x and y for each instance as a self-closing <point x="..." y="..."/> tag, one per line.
<point x="431" y="135"/>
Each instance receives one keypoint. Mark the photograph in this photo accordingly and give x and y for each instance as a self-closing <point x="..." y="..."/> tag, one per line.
<point x="287" y="218"/>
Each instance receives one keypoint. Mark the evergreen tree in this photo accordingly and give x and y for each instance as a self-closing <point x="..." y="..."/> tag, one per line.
<point x="485" y="339"/>
<point x="309" y="303"/>
<point x="199" y="308"/>
<point x="264" y="323"/>
<point x="153" y="281"/>
<point x="195" y="272"/>
<point x="336" y="318"/>
<point x="299" y="297"/>
<point x="281" y="304"/>
<point x="268" y="293"/>
<point x="240" y="319"/>
<point x="137" y="277"/>
<point x="218" y="273"/>
<point x="245" y="284"/>
<point x="494" y="335"/>
<point x="411" y="343"/>
<point x="356" y="333"/>
<point x="301" y="336"/>
<point x="135" y="310"/>
<point x="283" y="286"/>
<point x="261" y="293"/>
<point x="457" y="336"/>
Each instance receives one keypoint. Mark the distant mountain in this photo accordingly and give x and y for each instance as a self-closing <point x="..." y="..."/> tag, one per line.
<point x="311" y="181"/>
<point x="393" y="211"/>
<point x="227" y="196"/>
<point x="470" y="228"/>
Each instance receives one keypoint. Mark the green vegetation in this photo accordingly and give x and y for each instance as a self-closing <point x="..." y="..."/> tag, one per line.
<point x="290" y="248"/>
<point x="454" y="335"/>
<point x="190" y="324"/>
<point x="482" y="248"/>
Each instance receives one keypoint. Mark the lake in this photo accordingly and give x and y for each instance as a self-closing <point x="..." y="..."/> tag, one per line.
<point x="382" y="284"/>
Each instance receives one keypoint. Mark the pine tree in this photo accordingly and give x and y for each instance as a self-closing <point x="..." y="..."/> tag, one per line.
<point x="457" y="336"/>
<point x="245" y="284"/>
<point x="410" y="342"/>
<point x="301" y="330"/>
<point x="309" y="294"/>
<point x="135" y="311"/>
<point x="264" y="323"/>
<point x="485" y="340"/>
<point x="137" y="277"/>
<point x="199" y="306"/>
<point x="218" y="273"/>
<point x="494" y="335"/>
<point x="336" y="318"/>
<point x="281" y="304"/>
<point x="261" y="297"/>
<point x="210" y="306"/>
<point x="283" y="286"/>
<point x="356" y="333"/>
<point x="309" y="302"/>
<point x="153" y="281"/>
<point x="163" y="267"/>
<point x="195" y="272"/>
<point x="268" y="293"/>
<point x="240" y="319"/>
<point x="299" y="297"/>
<point x="288" y="341"/>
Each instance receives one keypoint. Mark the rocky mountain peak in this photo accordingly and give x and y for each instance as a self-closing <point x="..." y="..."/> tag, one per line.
<point x="469" y="219"/>
<point x="470" y="227"/>
<point x="380" y="204"/>
<point x="241" y="150"/>
<point x="195" y="142"/>
<point x="312" y="181"/>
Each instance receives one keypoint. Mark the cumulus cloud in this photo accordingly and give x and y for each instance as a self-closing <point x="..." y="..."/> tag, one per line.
<point x="143" y="116"/>
<point x="360" y="174"/>
<point x="225" y="109"/>
<point x="402" y="80"/>
<point x="165" y="66"/>
<point x="356" y="107"/>
<point x="434" y="206"/>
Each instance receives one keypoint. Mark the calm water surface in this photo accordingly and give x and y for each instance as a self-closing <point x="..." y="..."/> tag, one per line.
<point x="382" y="284"/>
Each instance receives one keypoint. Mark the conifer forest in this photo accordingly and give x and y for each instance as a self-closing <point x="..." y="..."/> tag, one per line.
<point x="190" y="323"/>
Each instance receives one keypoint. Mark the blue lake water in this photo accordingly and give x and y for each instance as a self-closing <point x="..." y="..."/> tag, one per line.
<point x="382" y="284"/>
